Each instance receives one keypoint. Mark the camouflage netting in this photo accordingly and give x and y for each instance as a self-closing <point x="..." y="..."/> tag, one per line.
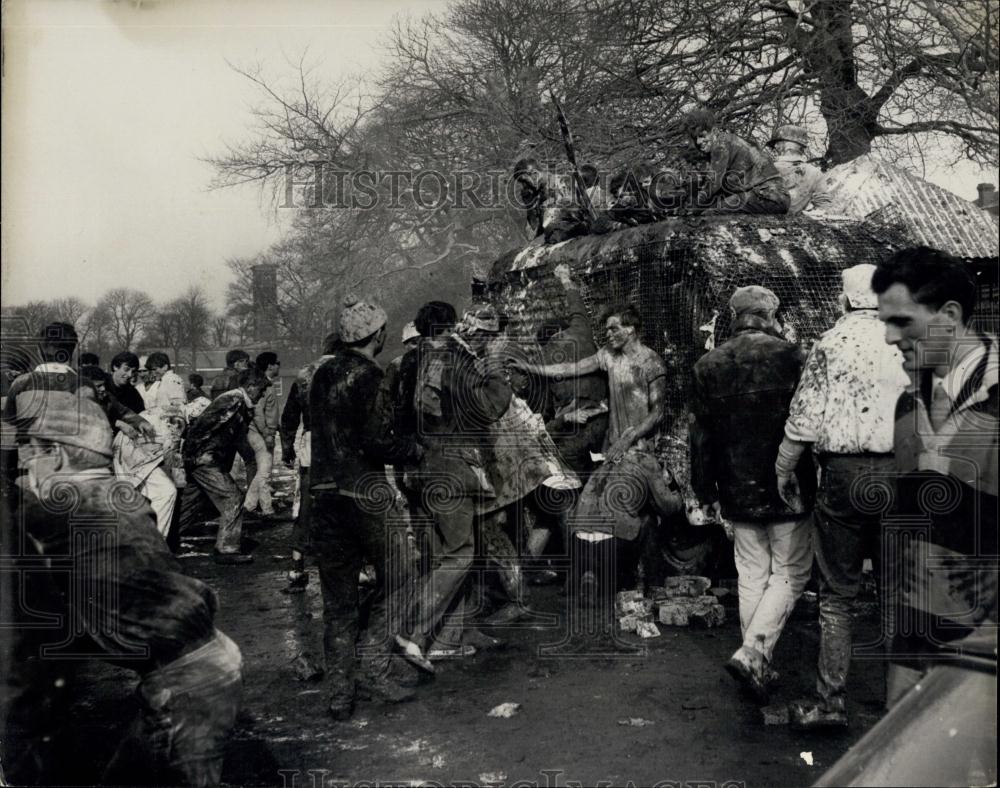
<point x="680" y="274"/>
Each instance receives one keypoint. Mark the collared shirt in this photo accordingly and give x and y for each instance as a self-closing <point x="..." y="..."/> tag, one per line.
<point x="846" y="400"/>
<point x="630" y="377"/>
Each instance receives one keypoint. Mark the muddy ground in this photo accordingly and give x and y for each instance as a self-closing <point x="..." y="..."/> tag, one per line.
<point x="691" y="724"/>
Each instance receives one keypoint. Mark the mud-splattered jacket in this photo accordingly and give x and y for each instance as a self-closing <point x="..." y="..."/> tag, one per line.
<point x="350" y="419"/>
<point x="740" y="400"/>
<point x="225" y="381"/>
<point x="457" y="396"/>
<point x="736" y="166"/>
<point x="846" y="400"/>
<point x="148" y="611"/>
<point x="297" y="407"/>
<point x="212" y="438"/>
<point x="806" y="183"/>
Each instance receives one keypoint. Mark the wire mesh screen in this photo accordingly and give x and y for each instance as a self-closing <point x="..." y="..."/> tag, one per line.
<point x="681" y="286"/>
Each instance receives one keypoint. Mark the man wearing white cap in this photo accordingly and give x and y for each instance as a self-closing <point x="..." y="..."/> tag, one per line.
<point x="844" y="408"/>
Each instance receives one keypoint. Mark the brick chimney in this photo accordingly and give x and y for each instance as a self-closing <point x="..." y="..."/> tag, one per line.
<point x="265" y="302"/>
<point x="988" y="198"/>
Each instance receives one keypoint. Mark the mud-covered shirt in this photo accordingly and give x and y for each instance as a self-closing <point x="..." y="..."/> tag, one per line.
<point x="845" y="402"/>
<point x="806" y="184"/>
<point x="630" y="376"/>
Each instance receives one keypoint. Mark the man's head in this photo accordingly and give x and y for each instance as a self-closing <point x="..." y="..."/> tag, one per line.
<point x="857" y="291"/>
<point x="254" y="383"/>
<point x="90" y="360"/>
<point x="700" y="126"/>
<point x="411" y="337"/>
<point x="57" y="342"/>
<point x="362" y="325"/>
<point x="435" y="318"/>
<point x="589" y="174"/>
<point x="527" y="171"/>
<point x="754" y="305"/>
<point x="67" y="433"/>
<point x="789" y="140"/>
<point x="98" y="380"/>
<point x="157" y="364"/>
<point x="194" y="382"/>
<point x="123" y="366"/>
<point x="925" y="298"/>
<point x="621" y="326"/>
<point x="267" y="362"/>
<point x="238" y="359"/>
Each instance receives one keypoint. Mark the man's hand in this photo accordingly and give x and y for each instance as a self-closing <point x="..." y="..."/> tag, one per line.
<point x="147" y="430"/>
<point x="622" y="445"/>
<point x="562" y="273"/>
<point x="788" y="489"/>
<point x="576" y="417"/>
<point x="128" y="431"/>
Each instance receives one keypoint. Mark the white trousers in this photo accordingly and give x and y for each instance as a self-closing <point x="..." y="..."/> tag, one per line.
<point x="259" y="487"/>
<point x="161" y="491"/>
<point x="773" y="561"/>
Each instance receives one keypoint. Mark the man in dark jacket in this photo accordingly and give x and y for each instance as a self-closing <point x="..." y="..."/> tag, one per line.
<point x="295" y="445"/>
<point x="457" y="396"/>
<point x="236" y="362"/>
<point x="100" y="583"/>
<point x="742" y="390"/>
<point x="123" y="367"/>
<point x="209" y="449"/>
<point x="739" y="177"/>
<point x="350" y="420"/>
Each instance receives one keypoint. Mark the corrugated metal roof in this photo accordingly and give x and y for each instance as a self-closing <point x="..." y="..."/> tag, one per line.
<point x="929" y="214"/>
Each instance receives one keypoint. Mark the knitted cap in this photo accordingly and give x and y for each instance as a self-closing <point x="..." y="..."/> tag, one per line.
<point x="410" y="332"/>
<point x="359" y="319"/>
<point x="73" y="419"/>
<point x="790" y="133"/>
<point x="858" y="286"/>
<point x="753" y="298"/>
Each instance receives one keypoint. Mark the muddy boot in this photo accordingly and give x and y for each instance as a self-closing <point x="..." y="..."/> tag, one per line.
<point x="384" y="690"/>
<point x="811" y="714"/>
<point x="479" y="640"/>
<point x="749" y="668"/>
<point x="298" y="577"/>
<point x="341" y="703"/>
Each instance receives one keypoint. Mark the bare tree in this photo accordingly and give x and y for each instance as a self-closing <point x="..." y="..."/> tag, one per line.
<point x="194" y="320"/>
<point x="130" y="312"/>
<point x="220" y="330"/>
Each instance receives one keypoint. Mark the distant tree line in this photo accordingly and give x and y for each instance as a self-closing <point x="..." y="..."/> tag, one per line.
<point x="129" y="319"/>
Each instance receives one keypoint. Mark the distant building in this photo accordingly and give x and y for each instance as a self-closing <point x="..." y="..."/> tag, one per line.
<point x="988" y="199"/>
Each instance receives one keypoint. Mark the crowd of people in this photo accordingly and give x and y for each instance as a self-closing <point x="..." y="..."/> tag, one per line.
<point x="473" y="441"/>
<point x="720" y="173"/>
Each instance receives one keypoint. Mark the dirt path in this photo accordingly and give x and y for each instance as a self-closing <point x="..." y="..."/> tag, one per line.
<point x="691" y="724"/>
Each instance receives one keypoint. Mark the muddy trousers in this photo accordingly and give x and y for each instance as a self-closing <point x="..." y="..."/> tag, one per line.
<point x="345" y="536"/>
<point x="773" y="561"/>
<point x="217" y="486"/>
<point x="442" y="590"/>
<point x="187" y="711"/>
<point x="301" y="525"/>
<point x="844" y="535"/>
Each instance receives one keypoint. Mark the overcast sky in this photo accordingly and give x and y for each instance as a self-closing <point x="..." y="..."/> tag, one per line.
<point x="107" y="107"/>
